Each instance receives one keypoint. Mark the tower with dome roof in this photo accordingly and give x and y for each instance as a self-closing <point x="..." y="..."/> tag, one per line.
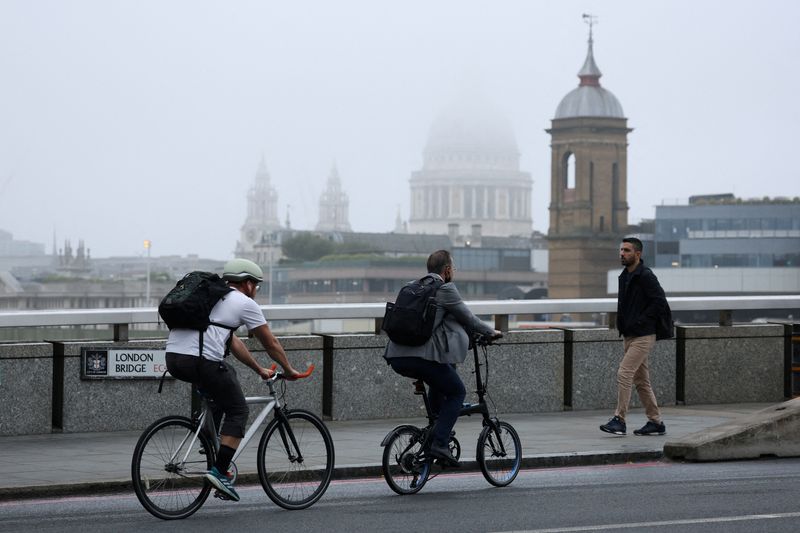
<point x="588" y="186"/>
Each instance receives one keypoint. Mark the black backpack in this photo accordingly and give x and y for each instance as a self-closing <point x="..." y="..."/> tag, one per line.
<point x="665" y="327"/>
<point x="188" y="305"/>
<point x="409" y="320"/>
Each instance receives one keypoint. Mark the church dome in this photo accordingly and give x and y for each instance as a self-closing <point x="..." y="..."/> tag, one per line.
<point x="471" y="129"/>
<point x="589" y="99"/>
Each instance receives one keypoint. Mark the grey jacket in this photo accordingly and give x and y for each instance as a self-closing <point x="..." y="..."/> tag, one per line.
<point x="450" y="341"/>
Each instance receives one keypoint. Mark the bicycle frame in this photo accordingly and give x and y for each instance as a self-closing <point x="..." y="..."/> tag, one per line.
<point x="468" y="409"/>
<point x="271" y="402"/>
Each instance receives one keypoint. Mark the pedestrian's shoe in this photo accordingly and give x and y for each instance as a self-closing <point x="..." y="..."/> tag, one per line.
<point x="651" y="428"/>
<point x="222" y="483"/>
<point x="616" y="426"/>
<point x="443" y="455"/>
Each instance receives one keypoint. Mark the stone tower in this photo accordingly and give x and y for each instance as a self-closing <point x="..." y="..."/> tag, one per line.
<point x="588" y="188"/>
<point x="262" y="214"/>
<point x="334" y="206"/>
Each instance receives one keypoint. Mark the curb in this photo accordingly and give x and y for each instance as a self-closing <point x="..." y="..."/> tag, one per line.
<point x="340" y="472"/>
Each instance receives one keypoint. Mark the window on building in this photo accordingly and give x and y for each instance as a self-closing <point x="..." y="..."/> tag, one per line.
<point x="569" y="170"/>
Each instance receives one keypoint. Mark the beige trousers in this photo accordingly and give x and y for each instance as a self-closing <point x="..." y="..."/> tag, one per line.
<point x="634" y="370"/>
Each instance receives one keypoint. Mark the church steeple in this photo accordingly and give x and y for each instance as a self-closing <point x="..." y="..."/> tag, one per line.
<point x="334" y="205"/>
<point x="262" y="211"/>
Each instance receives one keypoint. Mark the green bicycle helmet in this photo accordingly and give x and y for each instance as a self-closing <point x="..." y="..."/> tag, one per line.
<point x="238" y="270"/>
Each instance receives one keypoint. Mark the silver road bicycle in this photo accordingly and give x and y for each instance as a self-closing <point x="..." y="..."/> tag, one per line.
<point x="295" y="457"/>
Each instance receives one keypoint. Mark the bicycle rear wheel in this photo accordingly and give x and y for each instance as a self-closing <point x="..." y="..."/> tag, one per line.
<point x="499" y="454"/>
<point x="168" y="468"/>
<point x="295" y="459"/>
<point x="401" y="467"/>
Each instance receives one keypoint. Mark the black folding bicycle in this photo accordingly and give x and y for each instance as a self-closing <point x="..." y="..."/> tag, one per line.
<point x="406" y="464"/>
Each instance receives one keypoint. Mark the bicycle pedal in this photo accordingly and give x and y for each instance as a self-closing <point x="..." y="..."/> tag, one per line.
<point x="222" y="496"/>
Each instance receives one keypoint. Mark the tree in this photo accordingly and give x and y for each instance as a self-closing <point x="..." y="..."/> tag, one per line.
<point x="307" y="247"/>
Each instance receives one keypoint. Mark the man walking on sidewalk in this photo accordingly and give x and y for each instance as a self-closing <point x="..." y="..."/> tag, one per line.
<point x="640" y="302"/>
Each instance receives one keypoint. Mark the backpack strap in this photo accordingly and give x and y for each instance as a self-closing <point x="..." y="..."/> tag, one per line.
<point x="230" y="329"/>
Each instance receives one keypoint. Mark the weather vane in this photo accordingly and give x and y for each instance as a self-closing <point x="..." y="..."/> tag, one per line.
<point x="591" y="20"/>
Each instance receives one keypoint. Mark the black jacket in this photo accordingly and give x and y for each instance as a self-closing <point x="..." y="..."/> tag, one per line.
<point x="640" y="304"/>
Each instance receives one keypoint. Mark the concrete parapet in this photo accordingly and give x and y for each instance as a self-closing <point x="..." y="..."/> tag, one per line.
<point x="109" y="404"/>
<point x="26" y="385"/>
<point x="774" y="431"/>
<point x="301" y="350"/>
<point x="592" y="360"/>
<point x="730" y="364"/>
<point x="525" y="373"/>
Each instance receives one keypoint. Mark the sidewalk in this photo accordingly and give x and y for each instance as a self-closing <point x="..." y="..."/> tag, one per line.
<point x="71" y="463"/>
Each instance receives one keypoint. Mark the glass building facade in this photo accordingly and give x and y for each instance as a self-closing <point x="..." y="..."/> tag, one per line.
<point x="728" y="232"/>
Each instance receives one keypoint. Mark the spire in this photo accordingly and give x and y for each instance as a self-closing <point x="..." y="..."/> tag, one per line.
<point x="589" y="73"/>
<point x="262" y="175"/>
<point x="333" y="177"/>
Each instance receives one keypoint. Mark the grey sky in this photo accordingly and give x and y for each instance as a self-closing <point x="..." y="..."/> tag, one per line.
<point x="125" y="121"/>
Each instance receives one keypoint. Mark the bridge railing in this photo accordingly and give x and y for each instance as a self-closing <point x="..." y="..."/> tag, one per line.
<point x="123" y="318"/>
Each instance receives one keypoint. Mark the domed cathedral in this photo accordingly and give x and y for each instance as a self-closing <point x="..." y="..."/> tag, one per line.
<point x="334" y="205"/>
<point x="262" y="215"/>
<point x="470" y="183"/>
<point x="588" y="206"/>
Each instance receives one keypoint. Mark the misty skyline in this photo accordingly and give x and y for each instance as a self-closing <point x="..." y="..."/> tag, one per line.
<point x="126" y="121"/>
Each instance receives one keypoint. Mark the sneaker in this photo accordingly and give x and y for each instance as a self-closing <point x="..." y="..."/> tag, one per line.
<point x="651" y="428"/>
<point x="616" y="426"/>
<point x="443" y="455"/>
<point x="222" y="483"/>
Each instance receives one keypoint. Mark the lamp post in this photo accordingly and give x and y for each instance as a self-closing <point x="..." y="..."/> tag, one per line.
<point x="147" y="244"/>
<point x="271" y="252"/>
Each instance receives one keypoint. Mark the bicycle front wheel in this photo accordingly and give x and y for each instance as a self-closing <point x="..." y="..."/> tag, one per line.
<point x="402" y="469"/>
<point x="295" y="459"/>
<point x="168" y="468"/>
<point x="499" y="454"/>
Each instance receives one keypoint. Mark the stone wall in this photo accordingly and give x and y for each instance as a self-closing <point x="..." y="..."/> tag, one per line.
<point x="529" y="371"/>
<point x="26" y="388"/>
<point x="731" y="364"/>
<point x="595" y="355"/>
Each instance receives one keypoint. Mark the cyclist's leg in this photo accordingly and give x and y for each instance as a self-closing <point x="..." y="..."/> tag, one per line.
<point x="219" y="381"/>
<point x="444" y="382"/>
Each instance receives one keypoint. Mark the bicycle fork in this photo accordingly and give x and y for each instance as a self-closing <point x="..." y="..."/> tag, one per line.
<point x="288" y="439"/>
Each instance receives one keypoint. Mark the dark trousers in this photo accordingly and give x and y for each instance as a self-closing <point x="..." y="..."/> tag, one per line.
<point x="445" y="391"/>
<point x="218" y="381"/>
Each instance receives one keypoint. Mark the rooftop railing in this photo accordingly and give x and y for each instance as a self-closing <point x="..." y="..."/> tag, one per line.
<point x="122" y="319"/>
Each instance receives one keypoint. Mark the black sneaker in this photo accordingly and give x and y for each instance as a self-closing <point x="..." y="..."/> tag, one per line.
<point x="616" y="426"/>
<point x="651" y="428"/>
<point x="443" y="456"/>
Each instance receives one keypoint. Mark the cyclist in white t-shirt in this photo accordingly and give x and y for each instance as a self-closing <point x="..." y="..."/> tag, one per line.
<point x="215" y="377"/>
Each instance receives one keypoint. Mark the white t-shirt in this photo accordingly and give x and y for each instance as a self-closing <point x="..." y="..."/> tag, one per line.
<point x="234" y="310"/>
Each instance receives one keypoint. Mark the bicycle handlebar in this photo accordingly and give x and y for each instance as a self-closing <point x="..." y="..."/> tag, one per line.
<point x="486" y="340"/>
<point x="279" y="375"/>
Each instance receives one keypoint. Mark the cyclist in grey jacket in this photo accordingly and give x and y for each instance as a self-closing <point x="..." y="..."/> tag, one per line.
<point x="434" y="362"/>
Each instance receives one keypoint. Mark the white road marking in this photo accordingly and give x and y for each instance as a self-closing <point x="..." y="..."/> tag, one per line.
<point x="665" y="523"/>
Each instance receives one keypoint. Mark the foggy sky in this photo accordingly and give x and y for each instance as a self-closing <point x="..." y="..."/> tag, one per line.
<point x="125" y="121"/>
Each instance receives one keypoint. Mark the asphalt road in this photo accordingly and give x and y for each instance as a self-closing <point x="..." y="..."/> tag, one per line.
<point x="726" y="497"/>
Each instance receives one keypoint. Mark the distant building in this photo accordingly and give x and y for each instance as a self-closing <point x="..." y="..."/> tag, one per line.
<point x="10" y="247"/>
<point x="722" y="245"/>
<point x="716" y="231"/>
<point x="499" y="269"/>
<point x="470" y="176"/>
<point x="262" y="214"/>
<point x="588" y="187"/>
<point x="334" y="205"/>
